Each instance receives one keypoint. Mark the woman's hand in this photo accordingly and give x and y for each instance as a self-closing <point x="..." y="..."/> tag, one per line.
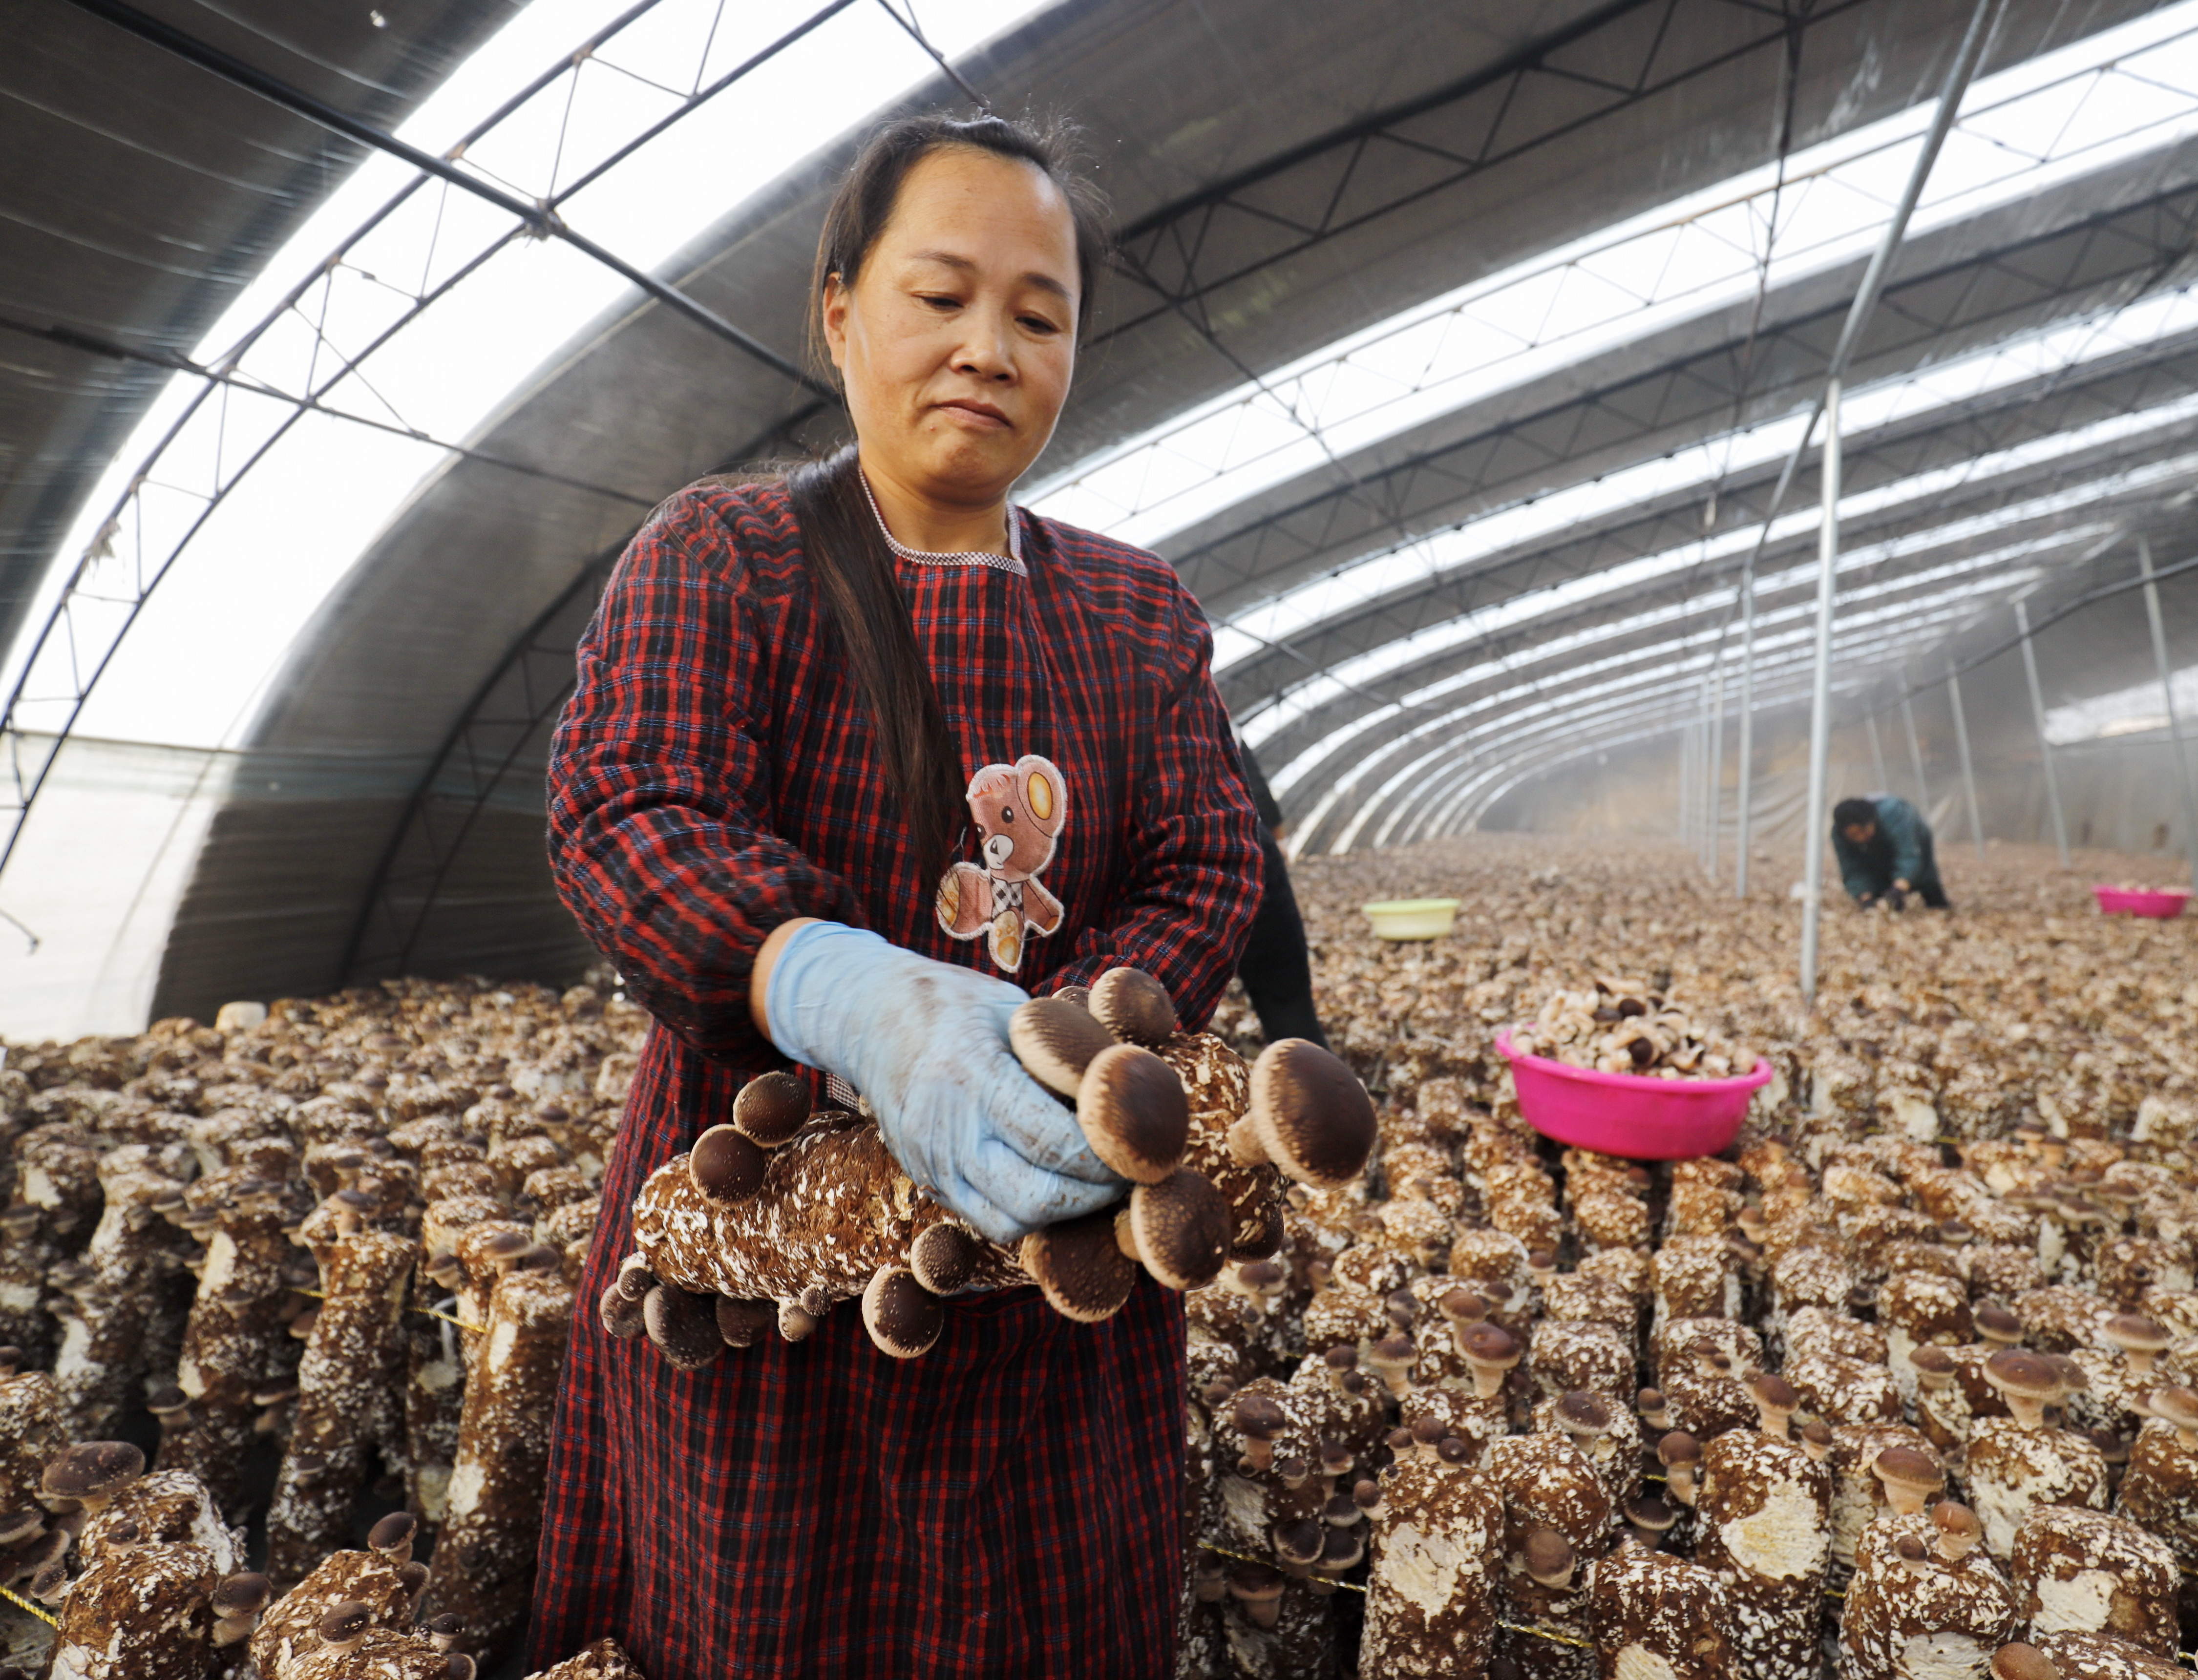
<point x="926" y="1044"/>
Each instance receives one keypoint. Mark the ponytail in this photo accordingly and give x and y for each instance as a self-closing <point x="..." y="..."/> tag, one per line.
<point x="853" y="573"/>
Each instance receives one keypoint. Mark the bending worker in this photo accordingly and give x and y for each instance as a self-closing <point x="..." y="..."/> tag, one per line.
<point x="1885" y="851"/>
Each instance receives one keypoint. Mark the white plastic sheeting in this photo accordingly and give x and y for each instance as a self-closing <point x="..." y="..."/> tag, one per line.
<point x="97" y="878"/>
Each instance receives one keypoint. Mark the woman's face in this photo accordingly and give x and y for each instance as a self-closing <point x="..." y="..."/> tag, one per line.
<point x="957" y="340"/>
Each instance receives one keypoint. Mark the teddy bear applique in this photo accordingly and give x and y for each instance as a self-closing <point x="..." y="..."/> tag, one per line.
<point x="1021" y="810"/>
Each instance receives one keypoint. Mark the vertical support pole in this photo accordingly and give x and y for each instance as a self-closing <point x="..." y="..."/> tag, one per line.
<point x="1969" y="769"/>
<point x="1820" y="704"/>
<point x="2044" y="747"/>
<point x="1686" y="785"/>
<point x="2167" y="699"/>
<point x="1876" y="752"/>
<point x="1717" y="771"/>
<point x="1914" y="750"/>
<point x="1745" y="790"/>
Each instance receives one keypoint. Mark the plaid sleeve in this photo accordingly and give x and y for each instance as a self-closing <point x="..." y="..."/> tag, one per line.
<point x="1194" y="876"/>
<point x="660" y="835"/>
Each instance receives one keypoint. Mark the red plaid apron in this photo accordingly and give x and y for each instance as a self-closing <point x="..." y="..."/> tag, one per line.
<point x="1006" y="1504"/>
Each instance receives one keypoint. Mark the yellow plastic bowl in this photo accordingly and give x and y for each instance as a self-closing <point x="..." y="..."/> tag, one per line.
<point x="1412" y="918"/>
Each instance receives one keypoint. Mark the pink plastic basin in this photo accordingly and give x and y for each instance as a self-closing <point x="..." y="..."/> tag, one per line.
<point x="1629" y="1115"/>
<point x="2161" y="906"/>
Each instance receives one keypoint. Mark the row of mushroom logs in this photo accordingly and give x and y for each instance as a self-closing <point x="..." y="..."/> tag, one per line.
<point x="778" y="1216"/>
<point x="1458" y="1551"/>
<point x="146" y="1581"/>
<point x="2042" y="1494"/>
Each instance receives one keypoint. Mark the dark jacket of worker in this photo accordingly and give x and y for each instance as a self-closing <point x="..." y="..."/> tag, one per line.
<point x="1901" y="849"/>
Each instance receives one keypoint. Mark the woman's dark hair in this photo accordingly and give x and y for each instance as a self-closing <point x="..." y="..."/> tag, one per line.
<point x="849" y="563"/>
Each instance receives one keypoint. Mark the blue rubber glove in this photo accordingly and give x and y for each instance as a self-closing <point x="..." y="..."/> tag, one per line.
<point x="926" y="1044"/>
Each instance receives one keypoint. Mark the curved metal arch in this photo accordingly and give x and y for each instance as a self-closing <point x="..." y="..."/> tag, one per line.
<point x="87" y="585"/>
<point x="1337" y="728"/>
<point x="1676" y="663"/>
<point x="1341" y="181"/>
<point x="519" y="700"/>
<point x="1448" y="787"/>
<point x="1592" y="630"/>
<point x="1462" y="798"/>
<point x="2129" y="249"/>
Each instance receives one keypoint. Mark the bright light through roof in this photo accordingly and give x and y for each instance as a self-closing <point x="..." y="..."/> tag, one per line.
<point x="1617" y="581"/>
<point x="1552" y="653"/>
<point x="193" y="671"/>
<point x="1572" y="697"/>
<point x="1964" y="380"/>
<point x="2141" y="710"/>
<point x="1449" y="783"/>
<point x="2110" y="97"/>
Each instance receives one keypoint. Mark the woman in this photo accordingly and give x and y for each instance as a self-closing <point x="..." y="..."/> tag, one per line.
<point x="856" y="761"/>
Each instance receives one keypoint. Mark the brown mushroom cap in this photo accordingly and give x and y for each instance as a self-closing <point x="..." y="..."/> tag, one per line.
<point x="1313" y="1117"/>
<point x="21" y="1525"/>
<point x="1956" y="1520"/>
<point x="2072" y="1375"/>
<point x="1079" y="1266"/>
<point x="2176" y="1405"/>
<point x="95" y="1470"/>
<point x="944" y="1257"/>
<point x="1933" y="1360"/>
<point x="1461" y="1307"/>
<point x="1055" y="1042"/>
<point x="1649" y="1400"/>
<point x="348" y="1621"/>
<point x="1079" y="995"/>
<point x="2133" y="1332"/>
<point x="1486" y="1344"/>
<point x="1678" y="1448"/>
<point x="684" y="1327"/>
<point x="742" y="1323"/>
<point x="1647" y="1511"/>
<point x="904" y="1317"/>
<point x="1299" y="1541"/>
<point x="1181" y="1229"/>
<point x="1774" y="1391"/>
<point x="1548" y="1557"/>
<point x="727" y="1166"/>
<point x="2027" y="1375"/>
<point x="772" y="1108"/>
<point x="1818" y="1433"/>
<point x="1910" y="1549"/>
<point x="393" y="1532"/>
<point x="1259" y="1417"/>
<point x="1582" y="1413"/>
<point x="243" y="1595"/>
<point x="2022" y="1662"/>
<point x="1905" y="1467"/>
<point x="1996" y="1323"/>
<point x="167" y="1402"/>
<point x="1132" y="1004"/>
<point x="1133" y="1113"/>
